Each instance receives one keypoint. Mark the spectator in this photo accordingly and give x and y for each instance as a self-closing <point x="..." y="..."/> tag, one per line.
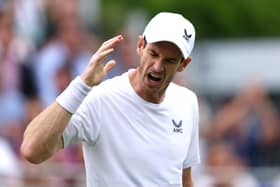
<point x="224" y="168"/>
<point x="250" y="122"/>
<point x="66" y="51"/>
<point x="17" y="87"/>
<point x="10" y="171"/>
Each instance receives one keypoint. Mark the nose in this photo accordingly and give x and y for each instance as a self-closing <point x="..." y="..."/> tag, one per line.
<point x="158" y="66"/>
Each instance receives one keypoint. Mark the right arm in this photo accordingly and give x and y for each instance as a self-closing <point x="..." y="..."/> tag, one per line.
<point x="43" y="136"/>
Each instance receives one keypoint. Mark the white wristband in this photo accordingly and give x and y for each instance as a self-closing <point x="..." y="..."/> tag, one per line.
<point x="71" y="98"/>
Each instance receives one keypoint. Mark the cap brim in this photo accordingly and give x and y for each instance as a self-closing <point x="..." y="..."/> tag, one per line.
<point x="178" y="42"/>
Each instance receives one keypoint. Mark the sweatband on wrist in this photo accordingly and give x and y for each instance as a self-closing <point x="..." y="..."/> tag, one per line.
<point x="71" y="98"/>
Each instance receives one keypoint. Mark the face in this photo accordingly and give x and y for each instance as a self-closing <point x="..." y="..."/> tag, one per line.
<point x="159" y="62"/>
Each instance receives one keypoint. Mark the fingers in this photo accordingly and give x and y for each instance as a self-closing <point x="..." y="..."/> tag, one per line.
<point x="106" y="48"/>
<point x="100" y="56"/>
<point x="111" y="43"/>
<point x="109" y="66"/>
<point x="96" y="70"/>
<point x="114" y="39"/>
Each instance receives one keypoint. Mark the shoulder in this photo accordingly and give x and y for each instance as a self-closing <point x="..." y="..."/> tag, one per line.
<point x="181" y="93"/>
<point x="110" y="86"/>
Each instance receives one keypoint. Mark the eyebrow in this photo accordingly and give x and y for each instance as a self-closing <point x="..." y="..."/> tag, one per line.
<point x="173" y="59"/>
<point x="152" y="50"/>
<point x="167" y="59"/>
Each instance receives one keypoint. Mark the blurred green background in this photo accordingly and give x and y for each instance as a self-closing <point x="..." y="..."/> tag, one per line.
<point x="213" y="19"/>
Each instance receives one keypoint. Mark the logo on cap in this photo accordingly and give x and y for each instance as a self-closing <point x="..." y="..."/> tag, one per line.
<point x="186" y="35"/>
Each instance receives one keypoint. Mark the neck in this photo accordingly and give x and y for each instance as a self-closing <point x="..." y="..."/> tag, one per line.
<point x="149" y="96"/>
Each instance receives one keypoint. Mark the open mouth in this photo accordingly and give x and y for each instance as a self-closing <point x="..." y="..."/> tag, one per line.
<point x="154" y="77"/>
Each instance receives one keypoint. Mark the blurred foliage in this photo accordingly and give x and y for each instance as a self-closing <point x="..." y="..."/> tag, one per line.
<point x="212" y="19"/>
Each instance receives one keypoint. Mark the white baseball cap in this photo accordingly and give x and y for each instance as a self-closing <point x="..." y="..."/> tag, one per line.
<point x="171" y="27"/>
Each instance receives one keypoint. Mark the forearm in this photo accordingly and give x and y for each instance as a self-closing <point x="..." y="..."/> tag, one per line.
<point x="188" y="184"/>
<point x="43" y="136"/>
<point x="269" y="120"/>
<point x="187" y="178"/>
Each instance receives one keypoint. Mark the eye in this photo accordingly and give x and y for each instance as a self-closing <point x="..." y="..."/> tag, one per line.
<point x="172" y="61"/>
<point x="153" y="53"/>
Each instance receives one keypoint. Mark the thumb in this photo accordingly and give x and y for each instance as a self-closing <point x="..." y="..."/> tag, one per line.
<point x="108" y="66"/>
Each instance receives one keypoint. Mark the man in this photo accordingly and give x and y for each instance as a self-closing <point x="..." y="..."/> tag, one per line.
<point x="137" y="129"/>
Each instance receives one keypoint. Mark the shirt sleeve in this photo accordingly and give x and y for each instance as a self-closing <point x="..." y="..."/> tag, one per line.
<point x="83" y="125"/>
<point x="193" y="156"/>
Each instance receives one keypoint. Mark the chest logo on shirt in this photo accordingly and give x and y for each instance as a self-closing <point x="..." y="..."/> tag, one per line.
<point x="177" y="126"/>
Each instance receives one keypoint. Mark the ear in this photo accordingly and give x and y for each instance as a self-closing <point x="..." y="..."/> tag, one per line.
<point x="184" y="64"/>
<point x="140" y="44"/>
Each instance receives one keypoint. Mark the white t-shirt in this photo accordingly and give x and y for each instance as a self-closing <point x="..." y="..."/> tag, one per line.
<point x="129" y="142"/>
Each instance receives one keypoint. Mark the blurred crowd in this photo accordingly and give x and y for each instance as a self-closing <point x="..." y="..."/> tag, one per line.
<point x="45" y="44"/>
<point x="240" y="139"/>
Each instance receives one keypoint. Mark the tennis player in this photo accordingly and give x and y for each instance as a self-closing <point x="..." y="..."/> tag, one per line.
<point x="138" y="129"/>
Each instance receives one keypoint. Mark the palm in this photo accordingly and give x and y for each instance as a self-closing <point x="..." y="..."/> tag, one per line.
<point x="96" y="70"/>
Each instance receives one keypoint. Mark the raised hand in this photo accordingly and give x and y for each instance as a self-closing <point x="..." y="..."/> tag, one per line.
<point x="96" y="70"/>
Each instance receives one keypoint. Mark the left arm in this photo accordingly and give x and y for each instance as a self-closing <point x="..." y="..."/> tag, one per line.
<point x="187" y="178"/>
